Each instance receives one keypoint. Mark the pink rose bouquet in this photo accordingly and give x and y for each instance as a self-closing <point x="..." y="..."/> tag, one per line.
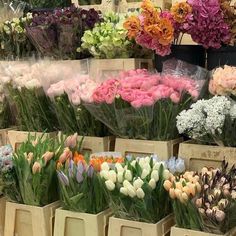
<point x="139" y="104"/>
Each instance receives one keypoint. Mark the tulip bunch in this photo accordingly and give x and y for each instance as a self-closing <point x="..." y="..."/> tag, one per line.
<point x="139" y="104"/>
<point x="32" y="179"/>
<point x="80" y="184"/>
<point x="135" y="189"/>
<point x="23" y="83"/>
<point x="204" y="201"/>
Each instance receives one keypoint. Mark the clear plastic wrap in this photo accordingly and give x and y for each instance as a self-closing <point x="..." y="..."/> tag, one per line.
<point x="143" y="105"/>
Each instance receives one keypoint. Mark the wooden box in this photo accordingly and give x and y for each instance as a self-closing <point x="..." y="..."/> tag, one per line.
<point x="2" y="214"/>
<point x="196" y="156"/>
<point x="163" y="149"/>
<point x="18" y="137"/>
<point x="132" y="5"/>
<point x="105" y="67"/>
<point x="24" y="220"/>
<point x="106" y="5"/>
<point x="120" y="227"/>
<point x="70" y="223"/>
<point x="98" y="144"/>
<point x="175" y="231"/>
<point x="4" y="137"/>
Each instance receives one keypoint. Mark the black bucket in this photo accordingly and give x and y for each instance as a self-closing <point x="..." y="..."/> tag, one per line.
<point x="193" y="54"/>
<point x="219" y="57"/>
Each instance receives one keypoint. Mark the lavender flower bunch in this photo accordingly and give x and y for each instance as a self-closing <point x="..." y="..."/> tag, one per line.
<point x="58" y="33"/>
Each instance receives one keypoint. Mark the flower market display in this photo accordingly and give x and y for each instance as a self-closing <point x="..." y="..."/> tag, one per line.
<point x="204" y="201"/>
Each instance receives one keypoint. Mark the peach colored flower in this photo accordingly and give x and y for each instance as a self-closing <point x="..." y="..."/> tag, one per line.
<point x="47" y="156"/>
<point x="166" y="31"/>
<point x="180" y="11"/>
<point x="65" y="155"/>
<point x="132" y="24"/>
<point x="36" y="168"/>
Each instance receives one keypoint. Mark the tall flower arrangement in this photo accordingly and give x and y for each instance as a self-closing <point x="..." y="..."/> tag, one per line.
<point x="138" y="104"/>
<point x="204" y="201"/>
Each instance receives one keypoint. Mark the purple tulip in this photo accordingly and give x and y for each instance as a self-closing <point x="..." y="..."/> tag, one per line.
<point x="63" y="178"/>
<point x="80" y="167"/>
<point x="79" y="177"/>
<point x="90" y="171"/>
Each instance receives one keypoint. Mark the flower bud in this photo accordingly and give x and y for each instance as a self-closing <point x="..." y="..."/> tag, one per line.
<point x="105" y="166"/>
<point x="166" y="174"/>
<point x="184" y="198"/>
<point x="199" y="202"/>
<point x="124" y="191"/>
<point x="127" y="184"/>
<point x="112" y="176"/>
<point x="36" y="168"/>
<point x="131" y="191"/>
<point x="140" y="193"/>
<point x="145" y="173"/>
<point x="147" y="167"/>
<point x="138" y="183"/>
<point x="30" y="157"/>
<point x="172" y="193"/>
<point x="179" y="185"/>
<point x="210" y="198"/>
<point x="147" y="159"/>
<point x="110" y="185"/>
<point x="156" y="166"/>
<point x="186" y="189"/>
<point x="119" y="167"/>
<point x="133" y="163"/>
<point x="201" y="211"/>
<point x="217" y="192"/>
<point x="155" y="175"/>
<point x="104" y="174"/>
<point x="178" y="193"/>
<point x="167" y="185"/>
<point x="209" y="212"/>
<point x="219" y="215"/>
<point x="223" y="203"/>
<point x="204" y="170"/>
<point x="120" y="177"/>
<point x="71" y="141"/>
<point x="47" y="156"/>
<point x="152" y="183"/>
<point x="128" y="175"/>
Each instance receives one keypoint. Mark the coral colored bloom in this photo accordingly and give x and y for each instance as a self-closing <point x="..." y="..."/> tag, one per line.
<point x="166" y="32"/>
<point x="180" y="11"/>
<point x="132" y="24"/>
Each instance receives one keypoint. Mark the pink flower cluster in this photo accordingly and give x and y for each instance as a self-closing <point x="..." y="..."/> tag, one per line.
<point x="141" y="88"/>
<point x="78" y="89"/>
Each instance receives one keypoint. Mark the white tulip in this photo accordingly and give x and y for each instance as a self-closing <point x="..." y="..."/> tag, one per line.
<point x="147" y="167"/>
<point x="127" y="184"/>
<point x="140" y="193"/>
<point x="152" y="183"/>
<point x="128" y="175"/>
<point x="166" y="174"/>
<point x="147" y="159"/>
<point x="104" y="174"/>
<point x="133" y="163"/>
<point x="131" y="191"/>
<point x="145" y="173"/>
<point x="156" y="166"/>
<point x="142" y="162"/>
<point x="110" y="185"/>
<point x="119" y="167"/>
<point x="112" y="176"/>
<point x="155" y="175"/>
<point x="105" y="166"/>
<point x="120" y="177"/>
<point x="138" y="183"/>
<point x="124" y="191"/>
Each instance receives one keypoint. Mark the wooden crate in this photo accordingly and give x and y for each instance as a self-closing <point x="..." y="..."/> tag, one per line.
<point x="163" y="149"/>
<point x="106" y="5"/>
<point x="98" y="144"/>
<point x="120" y="227"/>
<point x="132" y="5"/>
<point x="24" y="220"/>
<point x="2" y="214"/>
<point x="187" y="232"/>
<point x="70" y="223"/>
<point x="196" y="156"/>
<point x="16" y="138"/>
<point x="4" y="137"/>
<point x="105" y="67"/>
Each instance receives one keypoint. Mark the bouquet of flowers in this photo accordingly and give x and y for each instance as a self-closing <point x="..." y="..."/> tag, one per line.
<point x="33" y="174"/>
<point x="138" y="104"/>
<point x="58" y="33"/>
<point x="108" y="38"/>
<point x="68" y="97"/>
<point x="204" y="201"/>
<point x="135" y="189"/>
<point x="223" y="81"/>
<point x="13" y="38"/>
<point x="34" y="109"/>
<point x="6" y="154"/>
<point x="210" y="121"/>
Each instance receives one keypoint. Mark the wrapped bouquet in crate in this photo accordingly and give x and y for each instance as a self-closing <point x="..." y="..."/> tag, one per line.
<point x="137" y="197"/>
<point x="138" y="104"/>
<point x="211" y="123"/>
<point x="204" y="203"/>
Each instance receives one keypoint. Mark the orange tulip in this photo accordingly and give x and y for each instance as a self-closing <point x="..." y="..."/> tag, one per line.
<point x="78" y="158"/>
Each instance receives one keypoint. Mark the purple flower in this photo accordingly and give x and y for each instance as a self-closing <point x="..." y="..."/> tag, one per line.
<point x="90" y="171"/>
<point x="63" y="178"/>
<point x="79" y="177"/>
<point x="80" y="172"/>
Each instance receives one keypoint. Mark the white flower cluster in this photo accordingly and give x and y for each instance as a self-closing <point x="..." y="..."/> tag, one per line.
<point x="130" y="184"/>
<point x="206" y="117"/>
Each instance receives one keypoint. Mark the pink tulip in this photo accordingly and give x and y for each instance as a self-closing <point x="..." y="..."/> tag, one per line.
<point x="67" y="154"/>
<point x="47" y="156"/>
<point x="36" y="168"/>
<point x="71" y="141"/>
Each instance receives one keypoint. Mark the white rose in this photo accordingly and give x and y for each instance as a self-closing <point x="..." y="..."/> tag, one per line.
<point x="155" y="175"/>
<point x="119" y="167"/>
<point x="105" y="166"/>
<point x="124" y="191"/>
<point x="145" y="173"/>
<point x="104" y="174"/>
<point x="131" y="191"/>
<point x="127" y="184"/>
<point x="138" y="183"/>
<point x="120" y="177"/>
<point x="112" y="176"/>
<point x="152" y="183"/>
<point x="110" y="185"/>
<point x="128" y="175"/>
<point x="140" y="193"/>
